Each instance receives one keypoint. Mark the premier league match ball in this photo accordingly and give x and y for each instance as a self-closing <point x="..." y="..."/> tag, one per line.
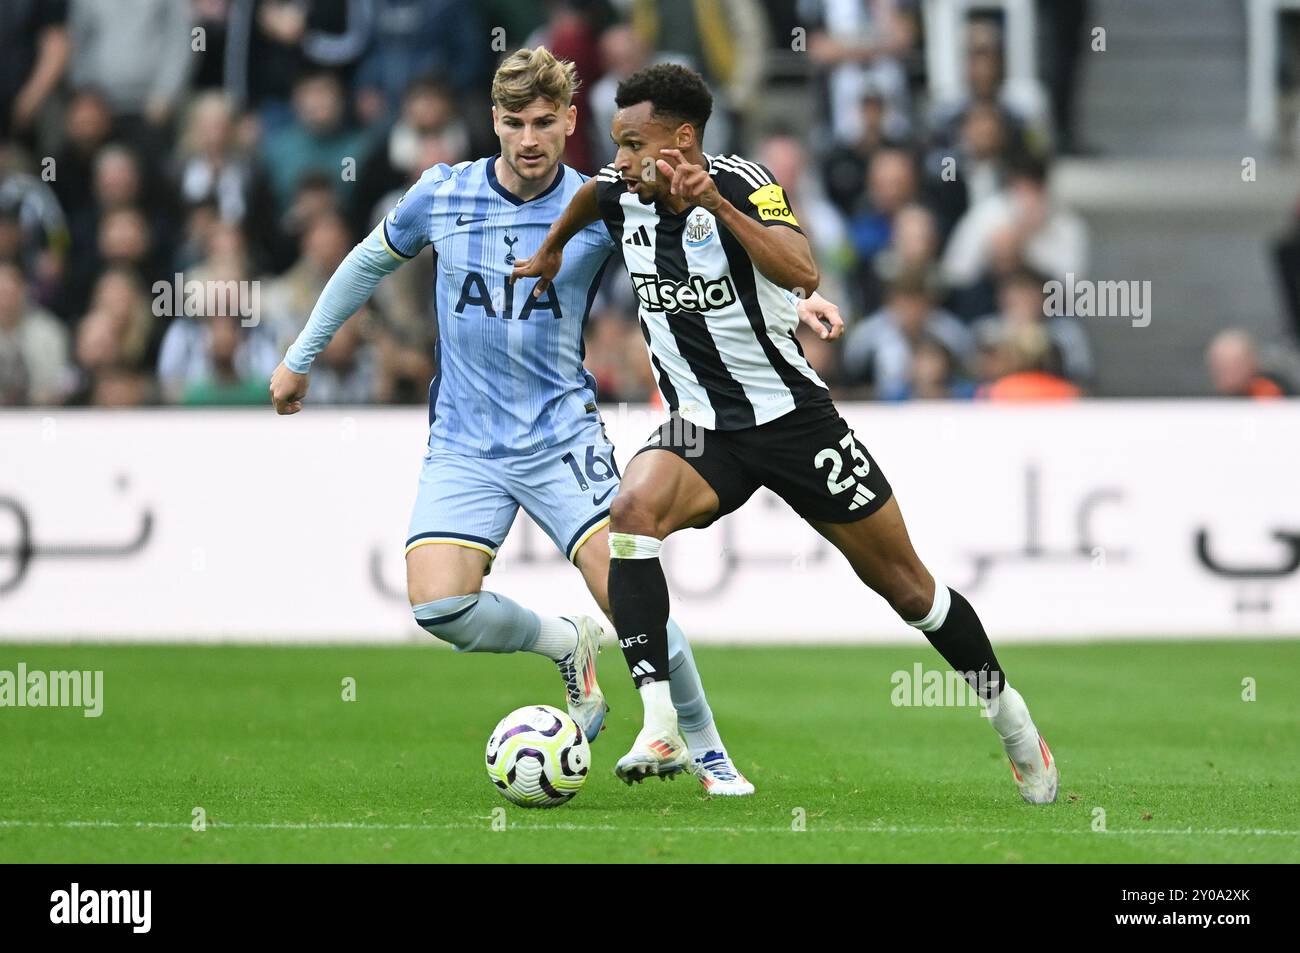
<point x="537" y="757"/>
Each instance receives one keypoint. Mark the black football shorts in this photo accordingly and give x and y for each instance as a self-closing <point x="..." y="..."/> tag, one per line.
<point x="809" y="457"/>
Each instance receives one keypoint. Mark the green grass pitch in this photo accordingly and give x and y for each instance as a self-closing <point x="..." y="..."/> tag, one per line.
<point x="1157" y="735"/>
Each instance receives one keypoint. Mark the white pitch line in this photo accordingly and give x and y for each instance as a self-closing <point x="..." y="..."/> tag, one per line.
<point x="486" y="823"/>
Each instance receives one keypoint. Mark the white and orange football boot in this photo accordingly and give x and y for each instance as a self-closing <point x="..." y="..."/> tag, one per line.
<point x="586" y="701"/>
<point x="1032" y="763"/>
<point x="1036" y="773"/>
<point x="658" y="753"/>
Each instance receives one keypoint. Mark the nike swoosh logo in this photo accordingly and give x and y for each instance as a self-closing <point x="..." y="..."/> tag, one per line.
<point x="462" y="220"/>
<point x="597" y="500"/>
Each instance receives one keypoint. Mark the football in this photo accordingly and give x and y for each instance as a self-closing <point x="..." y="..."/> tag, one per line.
<point x="537" y="757"/>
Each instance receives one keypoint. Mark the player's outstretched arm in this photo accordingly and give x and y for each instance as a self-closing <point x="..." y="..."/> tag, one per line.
<point x="545" y="263"/>
<point x="783" y="255"/>
<point x="347" y="290"/>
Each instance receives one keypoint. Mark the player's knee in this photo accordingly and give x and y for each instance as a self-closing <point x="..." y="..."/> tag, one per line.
<point x="632" y="512"/>
<point x="449" y="618"/>
<point x="910" y="594"/>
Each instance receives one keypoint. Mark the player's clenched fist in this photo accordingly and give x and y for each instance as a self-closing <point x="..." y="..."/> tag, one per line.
<point x="287" y="390"/>
<point x="692" y="182"/>
<point x="544" y="266"/>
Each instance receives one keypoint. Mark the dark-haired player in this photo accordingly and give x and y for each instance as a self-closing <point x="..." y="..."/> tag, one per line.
<point x="718" y="262"/>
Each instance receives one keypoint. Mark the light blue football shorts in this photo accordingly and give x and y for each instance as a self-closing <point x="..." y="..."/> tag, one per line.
<point x="472" y="501"/>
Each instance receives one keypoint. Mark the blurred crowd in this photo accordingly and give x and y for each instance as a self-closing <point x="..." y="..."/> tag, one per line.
<point x="152" y="146"/>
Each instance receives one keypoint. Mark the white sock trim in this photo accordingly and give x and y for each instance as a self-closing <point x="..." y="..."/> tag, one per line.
<point x="938" y="613"/>
<point x="631" y="546"/>
<point x="557" y="638"/>
<point x="704" y="740"/>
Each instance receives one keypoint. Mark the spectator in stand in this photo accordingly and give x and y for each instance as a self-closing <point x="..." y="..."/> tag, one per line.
<point x="622" y="53"/>
<point x="1018" y="225"/>
<point x="287" y="301"/>
<point x="87" y="129"/>
<point x="105" y="382"/>
<point x="913" y="247"/>
<point x="120" y="294"/>
<point x="956" y="179"/>
<point x="1234" y="364"/>
<point x="726" y="42"/>
<point x="935" y="375"/>
<point x="844" y="169"/>
<point x="212" y="17"/>
<point x="861" y="44"/>
<point x="186" y="357"/>
<point x="138" y="52"/>
<point x="34" y="367"/>
<point x="33" y="58"/>
<point x="1066" y="25"/>
<point x="314" y="196"/>
<point x="126" y="221"/>
<point x="271" y="44"/>
<point x="318" y="139"/>
<point x="212" y="166"/>
<point x="1022" y="104"/>
<point x="1021" y="304"/>
<point x="215" y="360"/>
<point x="1022" y="370"/>
<point x="879" y="352"/>
<point x="228" y="374"/>
<point x="33" y="229"/>
<point x="414" y="38"/>
<point x="891" y="185"/>
<point x="428" y="131"/>
<point x="115" y="343"/>
<point x="201" y="220"/>
<point x="126" y="241"/>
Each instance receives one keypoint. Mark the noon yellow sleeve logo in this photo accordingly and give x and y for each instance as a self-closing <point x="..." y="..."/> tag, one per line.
<point x="771" y="204"/>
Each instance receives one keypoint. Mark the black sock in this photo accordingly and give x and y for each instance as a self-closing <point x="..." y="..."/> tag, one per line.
<point x="638" y="601"/>
<point x="962" y="642"/>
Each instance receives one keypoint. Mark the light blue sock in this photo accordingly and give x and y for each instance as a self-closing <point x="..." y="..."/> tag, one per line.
<point x="693" y="714"/>
<point x="480" y="622"/>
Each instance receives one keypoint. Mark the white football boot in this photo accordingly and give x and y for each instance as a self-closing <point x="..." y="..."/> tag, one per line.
<point x="720" y="776"/>
<point x="586" y="701"/>
<point x="1033" y="767"/>
<point x="1032" y="763"/>
<point x="661" y="753"/>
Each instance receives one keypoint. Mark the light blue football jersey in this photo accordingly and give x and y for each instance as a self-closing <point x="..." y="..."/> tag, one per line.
<point x="510" y="376"/>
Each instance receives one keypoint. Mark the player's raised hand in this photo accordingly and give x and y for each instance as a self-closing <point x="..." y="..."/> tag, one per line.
<point x="544" y="266"/>
<point x="287" y="390"/>
<point x="690" y="181"/>
<point x="821" y="315"/>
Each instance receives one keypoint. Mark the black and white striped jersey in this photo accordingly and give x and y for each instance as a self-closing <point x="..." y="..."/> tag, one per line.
<point x="720" y="334"/>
